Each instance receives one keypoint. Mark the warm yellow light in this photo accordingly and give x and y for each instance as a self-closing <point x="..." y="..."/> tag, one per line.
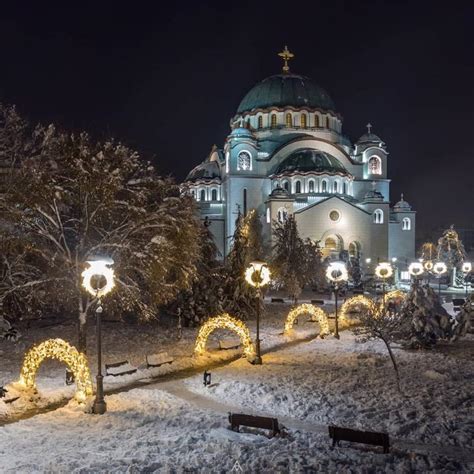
<point x="395" y="295"/>
<point x="337" y="272"/>
<point x="467" y="267"/>
<point x="428" y="265"/>
<point x="257" y="274"/>
<point x="60" y="350"/>
<point x="440" y="268"/>
<point x="355" y="303"/>
<point x="224" y="321"/>
<point x="319" y="315"/>
<point x="384" y="270"/>
<point x="98" y="268"/>
<point x="415" y="269"/>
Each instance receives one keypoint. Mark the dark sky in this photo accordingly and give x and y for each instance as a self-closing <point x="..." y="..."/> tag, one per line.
<point x="166" y="78"/>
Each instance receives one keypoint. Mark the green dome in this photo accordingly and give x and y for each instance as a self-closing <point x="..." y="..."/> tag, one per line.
<point x="306" y="160"/>
<point x="284" y="90"/>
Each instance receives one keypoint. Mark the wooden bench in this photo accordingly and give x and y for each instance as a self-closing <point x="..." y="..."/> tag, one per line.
<point x="226" y="344"/>
<point x="239" y="419"/>
<point x="120" y="368"/>
<point x="157" y="360"/>
<point x="277" y="300"/>
<point x="319" y="302"/>
<point x="338" y="434"/>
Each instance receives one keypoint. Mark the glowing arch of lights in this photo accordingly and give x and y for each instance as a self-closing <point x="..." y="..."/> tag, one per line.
<point x="395" y="295"/>
<point x="60" y="350"/>
<point x="356" y="302"/>
<point x="317" y="313"/>
<point x="224" y="321"/>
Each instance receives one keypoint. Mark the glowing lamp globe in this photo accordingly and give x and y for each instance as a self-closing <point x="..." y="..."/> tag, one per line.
<point x="98" y="268"/>
<point x="428" y="265"/>
<point x="337" y="272"/>
<point x="416" y="269"/>
<point x="257" y="274"/>
<point x="440" y="268"/>
<point x="466" y="267"/>
<point x="384" y="270"/>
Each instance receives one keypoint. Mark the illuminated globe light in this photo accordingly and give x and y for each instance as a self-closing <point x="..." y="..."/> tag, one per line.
<point x="318" y="314"/>
<point x="416" y="269"/>
<point x="98" y="268"/>
<point x="440" y="268"/>
<point x="384" y="270"/>
<point x="466" y="267"/>
<point x="224" y="321"/>
<point x="257" y="274"/>
<point x="428" y="265"/>
<point x="60" y="350"/>
<point x="337" y="272"/>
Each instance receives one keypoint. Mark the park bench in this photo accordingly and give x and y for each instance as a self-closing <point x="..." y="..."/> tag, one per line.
<point x="237" y="420"/>
<point x="338" y="434"/>
<point x="277" y="300"/>
<point x="120" y="368"/>
<point x="319" y="302"/>
<point x="157" y="360"/>
<point x="357" y="291"/>
<point x="226" y="344"/>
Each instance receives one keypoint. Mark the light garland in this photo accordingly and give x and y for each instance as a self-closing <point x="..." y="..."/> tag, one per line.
<point x="60" y="350"/>
<point x="428" y="265"/>
<point x="397" y="295"/>
<point x="356" y="302"/>
<point x="337" y="272"/>
<point x="384" y="270"/>
<point x="98" y="268"/>
<point x="257" y="274"/>
<point x="466" y="267"/>
<point x="416" y="269"/>
<point x="224" y="321"/>
<point x="440" y="268"/>
<point x="319" y="315"/>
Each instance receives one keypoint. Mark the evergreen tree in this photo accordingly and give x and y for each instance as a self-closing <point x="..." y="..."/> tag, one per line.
<point x="451" y="251"/>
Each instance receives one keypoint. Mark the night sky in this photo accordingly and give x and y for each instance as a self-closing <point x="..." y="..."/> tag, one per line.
<point x="166" y="79"/>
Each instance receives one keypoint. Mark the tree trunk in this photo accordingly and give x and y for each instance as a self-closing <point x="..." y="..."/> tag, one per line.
<point x="394" y="362"/>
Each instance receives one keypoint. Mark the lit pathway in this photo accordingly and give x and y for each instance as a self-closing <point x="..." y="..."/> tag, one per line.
<point x="179" y="390"/>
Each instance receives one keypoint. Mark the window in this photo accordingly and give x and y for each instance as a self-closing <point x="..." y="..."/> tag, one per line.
<point x="328" y="122"/>
<point x="336" y="186"/>
<point x="268" y="216"/>
<point x="245" y="201"/>
<point x="335" y="216"/>
<point x="375" y="165"/>
<point x="193" y="194"/>
<point x="214" y="195"/>
<point x="303" y="120"/>
<point x="311" y="186"/>
<point x="260" y="122"/>
<point x="289" y="120"/>
<point x="406" y="223"/>
<point x="286" y="186"/>
<point x="354" y="249"/>
<point x="297" y="186"/>
<point x="273" y="121"/>
<point x="282" y="215"/>
<point x="344" y="188"/>
<point x="324" y="186"/>
<point x="203" y="195"/>
<point x="316" y="120"/>
<point x="378" y="216"/>
<point x="244" y="161"/>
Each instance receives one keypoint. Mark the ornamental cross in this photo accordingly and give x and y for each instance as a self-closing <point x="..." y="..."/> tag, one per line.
<point x="369" y="127"/>
<point x="286" y="55"/>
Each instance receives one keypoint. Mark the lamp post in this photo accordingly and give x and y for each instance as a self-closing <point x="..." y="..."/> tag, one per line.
<point x="384" y="271"/>
<point x="337" y="274"/>
<point x="258" y="275"/>
<point x="466" y="269"/>
<point x="98" y="280"/>
<point x="439" y="269"/>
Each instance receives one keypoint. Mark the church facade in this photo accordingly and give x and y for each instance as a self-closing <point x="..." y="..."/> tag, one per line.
<point x="286" y="155"/>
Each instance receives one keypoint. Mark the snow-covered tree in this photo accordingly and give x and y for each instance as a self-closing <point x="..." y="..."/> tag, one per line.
<point x="74" y="198"/>
<point x="451" y="251"/>
<point x="429" y="251"/>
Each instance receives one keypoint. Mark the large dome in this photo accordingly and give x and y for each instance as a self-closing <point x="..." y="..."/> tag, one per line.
<point x="309" y="160"/>
<point x="284" y="90"/>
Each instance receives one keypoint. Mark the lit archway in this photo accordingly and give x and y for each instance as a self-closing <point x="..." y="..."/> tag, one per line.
<point x="224" y="321"/>
<point x="397" y="296"/>
<point x="317" y="313"/>
<point x="60" y="350"/>
<point x="356" y="303"/>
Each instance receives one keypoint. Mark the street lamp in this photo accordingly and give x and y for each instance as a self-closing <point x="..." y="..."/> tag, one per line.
<point x="416" y="269"/>
<point x="337" y="274"/>
<point x="98" y="280"/>
<point x="466" y="269"/>
<point x="258" y="275"/>
<point x="439" y="269"/>
<point x="384" y="271"/>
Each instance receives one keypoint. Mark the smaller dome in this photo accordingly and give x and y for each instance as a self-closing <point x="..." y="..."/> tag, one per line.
<point x="369" y="138"/>
<point x="241" y="132"/>
<point x="279" y="192"/>
<point x="373" y="195"/>
<point x="207" y="170"/>
<point x="402" y="205"/>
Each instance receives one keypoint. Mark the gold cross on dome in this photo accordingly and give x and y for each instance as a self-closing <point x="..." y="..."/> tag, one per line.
<point x="286" y="55"/>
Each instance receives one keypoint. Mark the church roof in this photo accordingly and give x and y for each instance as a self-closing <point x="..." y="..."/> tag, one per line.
<point x="307" y="159"/>
<point x="209" y="169"/>
<point x="402" y="205"/>
<point x="283" y="90"/>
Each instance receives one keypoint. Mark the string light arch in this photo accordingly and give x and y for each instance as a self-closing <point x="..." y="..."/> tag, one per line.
<point x="60" y="350"/>
<point x="356" y="302"/>
<point x="224" y="321"/>
<point x="396" y="295"/>
<point x="317" y="313"/>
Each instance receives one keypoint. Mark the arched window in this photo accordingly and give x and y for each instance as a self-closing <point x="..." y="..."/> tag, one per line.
<point x="260" y="121"/>
<point x="406" y="223"/>
<point x="244" y="161"/>
<point x="328" y="122"/>
<point x="378" y="216"/>
<point x="244" y="199"/>
<point x="311" y="186"/>
<point x="354" y="249"/>
<point x="273" y="120"/>
<point x="286" y="186"/>
<point x="297" y="186"/>
<point x="282" y="215"/>
<point x="193" y="194"/>
<point x="203" y="195"/>
<point x="344" y="188"/>
<point x="336" y="187"/>
<point x="375" y="165"/>
<point x="316" y="120"/>
<point x="324" y="186"/>
<point x="214" y="195"/>
<point x="303" y="120"/>
<point x="268" y="216"/>
<point x="289" y="120"/>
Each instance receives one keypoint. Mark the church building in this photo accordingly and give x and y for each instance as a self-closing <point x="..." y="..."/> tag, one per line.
<point x="286" y="155"/>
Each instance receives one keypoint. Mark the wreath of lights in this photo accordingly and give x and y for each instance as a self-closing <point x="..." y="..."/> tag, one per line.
<point x="384" y="270"/>
<point x="428" y="265"/>
<point x="224" y="321"/>
<point x="318" y="314"/>
<point x="415" y="269"/>
<point x="440" y="268"/>
<point x="98" y="268"/>
<point x="337" y="272"/>
<point x="257" y="277"/>
<point x="60" y="350"/>
<point x="466" y="267"/>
